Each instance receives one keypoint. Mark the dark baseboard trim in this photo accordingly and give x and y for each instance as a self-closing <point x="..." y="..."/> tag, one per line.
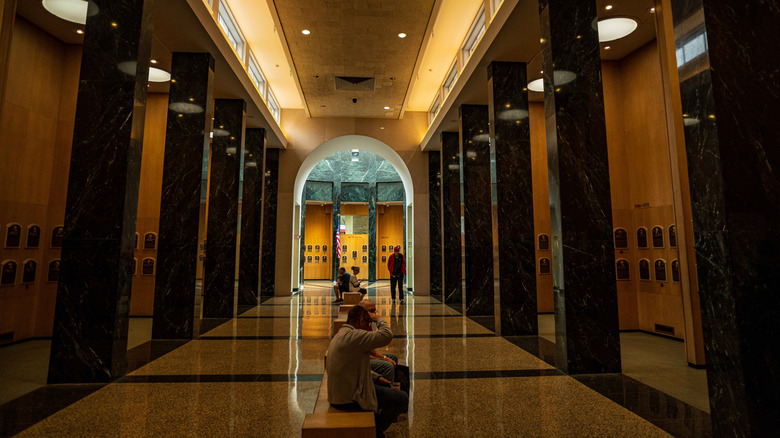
<point x="647" y="332"/>
<point x="697" y="367"/>
<point x="34" y="338"/>
<point x="545" y="313"/>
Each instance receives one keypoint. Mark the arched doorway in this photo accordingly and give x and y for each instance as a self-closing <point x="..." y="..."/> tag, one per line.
<point x="345" y="145"/>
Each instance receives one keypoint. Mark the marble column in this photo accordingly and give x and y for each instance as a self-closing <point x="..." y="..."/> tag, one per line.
<point x="450" y="225"/>
<point x="728" y="85"/>
<point x="89" y="338"/>
<point x="219" y="265"/>
<point x="372" y="194"/>
<point x="251" y="218"/>
<point x="190" y="109"/>
<point x="434" y="222"/>
<point x="513" y="213"/>
<point x="270" y="199"/>
<point x="336" y="222"/>
<point x="586" y="313"/>
<point x="477" y="219"/>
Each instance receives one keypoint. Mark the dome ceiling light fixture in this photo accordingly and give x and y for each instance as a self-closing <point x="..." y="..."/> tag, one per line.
<point x="615" y="28"/>
<point x="75" y="11"/>
<point x="155" y="74"/>
<point x="560" y="77"/>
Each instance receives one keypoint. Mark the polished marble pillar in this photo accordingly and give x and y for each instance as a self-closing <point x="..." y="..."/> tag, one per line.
<point x="477" y="219"/>
<point x="251" y="218"/>
<point x="372" y="196"/>
<point x="451" y="234"/>
<point x="89" y="338"/>
<point x="270" y="200"/>
<point x="586" y="313"/>
<point x="434" y="222"/>
<point x="730" y="94"/>
<point x="219" y="265"/>
<point x="513" y="213"/>
<point x="190" y="109"/>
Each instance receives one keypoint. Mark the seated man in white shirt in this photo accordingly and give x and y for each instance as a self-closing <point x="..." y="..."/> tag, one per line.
<point x="354" y="281"/>
<point x="351" y="383"/>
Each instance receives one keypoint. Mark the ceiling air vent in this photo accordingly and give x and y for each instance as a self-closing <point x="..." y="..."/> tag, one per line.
<point x="350" y="83"/>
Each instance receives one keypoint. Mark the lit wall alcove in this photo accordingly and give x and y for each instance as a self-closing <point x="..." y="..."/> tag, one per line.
<point x="339" y="181"/>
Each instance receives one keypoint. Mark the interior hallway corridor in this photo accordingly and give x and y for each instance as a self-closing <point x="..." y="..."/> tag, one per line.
<point x="258" y="375"/>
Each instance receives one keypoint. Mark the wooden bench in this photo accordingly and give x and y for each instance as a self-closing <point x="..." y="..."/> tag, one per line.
<point x="352" y="297"/>
<point x="327" y="421"/>
<point x="341" y="319"/>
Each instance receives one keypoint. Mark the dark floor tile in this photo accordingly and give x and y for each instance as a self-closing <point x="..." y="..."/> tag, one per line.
<point x="539" y="347"/>
<point x="149" y="351"/>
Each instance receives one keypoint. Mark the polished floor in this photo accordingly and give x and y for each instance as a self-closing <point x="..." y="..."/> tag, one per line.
<point x="258" y="375"/>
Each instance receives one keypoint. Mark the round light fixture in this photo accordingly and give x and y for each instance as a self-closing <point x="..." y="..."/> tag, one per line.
<point x="537" y="85"/>
<point x="185" y="108"/>
<point x="305" y="31"/>
<point x="611" y="29"/>
<point x="74" y="11"/>
<point x="607" y="47"/>
<point x="79" y="31"/>
<point x="154" y="61"/>
<point x="387" y="107"/>
<point x="560" y="77"/>
<point x="158" y="75"/>
<point x="608" y="7"/>
<point x="401" y="35"/>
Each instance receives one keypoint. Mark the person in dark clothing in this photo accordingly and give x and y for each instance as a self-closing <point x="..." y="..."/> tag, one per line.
<point x="396" y="264"/>
<point x="342" y="285"/>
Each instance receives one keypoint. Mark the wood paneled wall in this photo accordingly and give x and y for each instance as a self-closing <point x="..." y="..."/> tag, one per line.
<point x="389" y="232"/>
<point x="319" y="231"/>
<point x="37" y="123"/>
<point x="544" y="282"/>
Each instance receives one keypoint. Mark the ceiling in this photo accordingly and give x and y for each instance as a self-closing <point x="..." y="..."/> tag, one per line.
<point x="354" y="38"/>
<point x="518" y="41"/>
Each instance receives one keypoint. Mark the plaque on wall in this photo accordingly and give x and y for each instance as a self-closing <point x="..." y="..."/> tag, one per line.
<point x="29" y="270"/>
<point x="623" y="270"/>
<point x="343" y="259"/>
<point x="658" y="237"/>
<point x="316" y="259"/>
<point x="309" y="248"/>
<point x="621" y="238"/>
<point x="316" y="248"/>
<point x="324" y="248"/>
<point x="660" y="270"/>
<point x="384" y="248"/>
<point x="147" y="267"/>
<point x="544" y="242"/>
<point x="324" y="259"/>
<point x="343" y="248"/>
<point x="384" y="259"/>
<point x="13" y="235"/>
<point x="150" y="240"/>
<point x="354" y="254"/>
<point x="56" y="236"/>
<point x="8" y="276"/>
<point x="641" y="238"/>
<point x="33" y="236"/>
<point x="644" y="270"/>
<point x="675" y="271"/>
<point x="134" y="267"/>
<point x="365" y="248"/>
<point x="544" y="266"/>
<point x="308" y="259"/>
<point x="365" y="259"/>
<point x="53" y="275"/>
<point x="672" y="236"/>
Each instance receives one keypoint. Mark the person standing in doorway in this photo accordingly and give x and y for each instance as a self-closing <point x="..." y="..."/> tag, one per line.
<point x="396" y="264"/>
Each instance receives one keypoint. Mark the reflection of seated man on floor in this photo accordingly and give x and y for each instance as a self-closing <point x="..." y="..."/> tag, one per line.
<point x="382" y="364"/>
<point x="351" y="383"/>
<point x="354" y="281"/>
<point x="342" y="285"/>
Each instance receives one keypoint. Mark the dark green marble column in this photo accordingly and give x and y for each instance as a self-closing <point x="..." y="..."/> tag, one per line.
<point x="372" y="196"/>
<point x="219" y="266"/>
<point x="251" y="218"/>
<point x="434" y="223"/>
<point x="89" y="339"/>
<point x="451" y="232"/>
<point x="190" y="109"/>
<point x="270" y="201"/>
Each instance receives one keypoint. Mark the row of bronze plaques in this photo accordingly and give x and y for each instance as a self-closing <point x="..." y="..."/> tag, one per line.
<point x="623" y="269"/>
<point x="10" y="268"/>
<point x="13" y="237"/>
<point x="324" y="248"/>
<point x="643" y="240"/>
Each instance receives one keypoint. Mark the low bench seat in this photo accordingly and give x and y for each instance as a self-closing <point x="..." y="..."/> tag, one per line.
<point x="330" y="422"/>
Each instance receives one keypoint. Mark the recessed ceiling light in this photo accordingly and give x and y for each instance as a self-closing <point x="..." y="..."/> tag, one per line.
<point x="560" y="77"/>
<point x="652" y="10"/>
<point x="154" y="61"/>
<point x="608" y="7"/>
<point x="607" y="47"/>
<point x="79" y="31"/>
<point x="401" y="35"/>
<point x="305" y="31"/>
<point x="387" y="107"/>
<point x="74" y="11"/>
<point x="611" y="29"/>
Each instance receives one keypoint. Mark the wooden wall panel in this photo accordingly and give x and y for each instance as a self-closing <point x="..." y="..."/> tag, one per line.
<point x="544" y="282"/>
<point x="149" y="194"/>
<point x="389" y="232"/>
<point x="318" y="231"/>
